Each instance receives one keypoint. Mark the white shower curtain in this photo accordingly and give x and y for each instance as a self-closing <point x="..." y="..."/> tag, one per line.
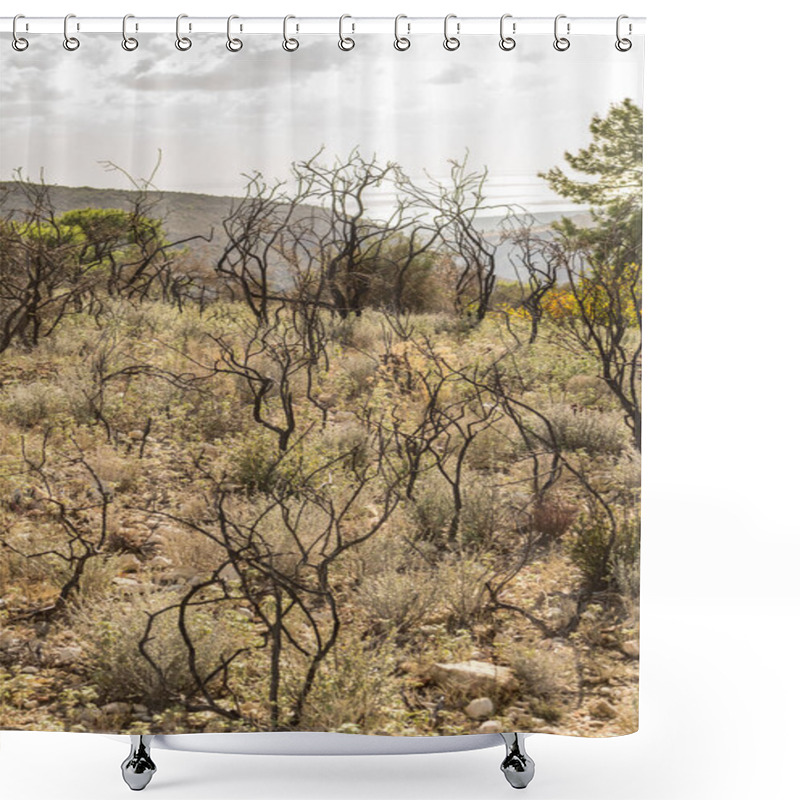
<point x="320" y="382"/>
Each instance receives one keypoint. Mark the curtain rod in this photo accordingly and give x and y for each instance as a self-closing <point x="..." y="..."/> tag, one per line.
<point x="408" y="25"/>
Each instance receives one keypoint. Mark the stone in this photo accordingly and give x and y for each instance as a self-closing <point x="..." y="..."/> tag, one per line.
<point x="140" y="708"/>
<point x="29" y="670"/>
<point x="630" y="648"/>
<point x="116" y="709"/>
<point x="473" y="677"/>
<point x="128" y="563"/>
<point x="126" y="583"/>
<point x="177" y="575"/>
<point x="160" y="562"/>
<point x="480" y="708"/>
<point x="491" y="726"/>
<point x="88" y="716"/>
<point x="228" y="574"/>
<point x="65" y="656"/>
<point x="136" y="435"/>
<point x="602" y="709"/>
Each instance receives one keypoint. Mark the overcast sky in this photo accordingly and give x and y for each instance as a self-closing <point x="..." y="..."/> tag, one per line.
<point x="216" y="115"/>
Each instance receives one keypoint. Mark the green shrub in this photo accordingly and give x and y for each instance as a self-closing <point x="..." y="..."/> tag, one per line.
<point x="606" y="562"/>
<point x="577" y="428"/>
<point x="111" y="629"/>
<point x="542" y="674"/>
<point x="462" y="589"/>
<point x="355" y="690"/>
<point x="400" y="599"/>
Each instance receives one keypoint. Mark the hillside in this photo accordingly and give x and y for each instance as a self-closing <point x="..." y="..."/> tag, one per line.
<point x="184" y="214"/>
<point x="187" y="214"/>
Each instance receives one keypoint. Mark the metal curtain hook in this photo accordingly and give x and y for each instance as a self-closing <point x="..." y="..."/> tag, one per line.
<point x="70" y="42"/>
<point x="346" y="42"/>
<point x="181" y="42"/>
<point x="18" y="42"/>
<point x="401" y="42"/>
<point x="290" y="44"/>
<point x="507" y="42"/>
<point x="129" y="43"/>
<point x="234" y="45"/>
<point x="623" y="45"/>
<point x="451" y="42"/>
<point x="561" y="43"/>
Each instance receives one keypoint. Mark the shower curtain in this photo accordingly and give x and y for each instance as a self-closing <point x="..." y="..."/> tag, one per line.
<point x="320" y="381"/>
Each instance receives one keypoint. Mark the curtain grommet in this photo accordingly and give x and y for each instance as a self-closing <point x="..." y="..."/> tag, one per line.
<point x="507" y="43"/>
<point x="289" y="44"/>
<point x="623" y="44"/>
<point x="401" y="43"/>
<point x="561" y="43"/>
<point x="19" y="43"/>
<point x="451" y="43"/>
<point x="71" y="43"/>
<point x="183" y="43"/>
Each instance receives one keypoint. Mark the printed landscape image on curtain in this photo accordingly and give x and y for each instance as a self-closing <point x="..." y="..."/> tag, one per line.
<point x="320" y="386"/>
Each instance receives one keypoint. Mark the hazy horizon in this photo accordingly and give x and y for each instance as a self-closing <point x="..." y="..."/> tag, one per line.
<point x="217" y="115"/>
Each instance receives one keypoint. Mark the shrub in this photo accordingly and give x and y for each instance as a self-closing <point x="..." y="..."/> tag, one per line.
<point x="434" y="507"/>
<point x="480" y="515"/>
<point x="605" y="563"/>
<point x="552" y="517"/>
<point x="111" y="629"/>
<point x="577" y="428"/>
<point x="358" y="371"/>
<point x="541" y="673"/>
<point x="355" y="689"/>
<point x="495" y="448"/>
<point x="259" y="466"/>
<point x="588" y="390"/>
<point x="30" y="404"/>
<point x="462" y="589"/>
<point x="400" y="599"/>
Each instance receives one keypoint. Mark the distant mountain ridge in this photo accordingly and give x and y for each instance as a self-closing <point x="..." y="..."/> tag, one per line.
<point x="184" y="214"/>
<point x="187" y="214"/>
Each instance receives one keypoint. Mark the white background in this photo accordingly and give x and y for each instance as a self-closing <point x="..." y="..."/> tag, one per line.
<point x="719" y="697"/>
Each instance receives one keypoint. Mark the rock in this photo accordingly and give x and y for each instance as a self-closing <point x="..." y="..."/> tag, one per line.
<point x="602" y="709"/>
<point x="88" y="716"/>
<point x="630" y="648"/>
<point x="246" y="613"/>
<point x="178" y="575"/>
<point x="491" y="726"/>
<point x="160" y="562"/>
<point x="65" y="656"/>
<point x="29" y="670"/>
<point x="128" y="563"/>
<point x="116" y="709"/>
<point x="480" y="708"/>
<point x="473" y="677"/>
<point x="29" y="705"/>
<point x="140" y="708"/>
<point x="127" y="583"/>
<point x="136" y="435"/>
